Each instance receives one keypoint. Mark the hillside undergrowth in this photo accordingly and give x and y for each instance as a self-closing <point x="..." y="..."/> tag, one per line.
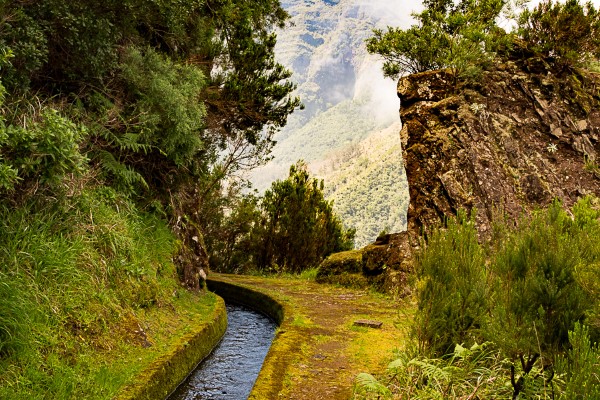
<point x="515" y="316"/>
<point x="88" y="288"/>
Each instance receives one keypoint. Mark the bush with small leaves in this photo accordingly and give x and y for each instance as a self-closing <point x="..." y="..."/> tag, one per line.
<point x="459" y="36"/>
<point x="453" y="292"/>
<point x="566" y="35"/>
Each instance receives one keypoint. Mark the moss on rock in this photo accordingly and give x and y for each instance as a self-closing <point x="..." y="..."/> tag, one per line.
<point x="350" y="262"/>
<point x="372" y="266"/>
<point x="374" y="259"/>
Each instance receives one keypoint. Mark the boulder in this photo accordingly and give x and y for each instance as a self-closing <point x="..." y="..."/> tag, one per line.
<point x="339" y="263"/>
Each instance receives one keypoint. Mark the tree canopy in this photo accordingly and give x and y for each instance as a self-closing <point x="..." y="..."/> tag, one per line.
<point x="161" y="99"/>
<point x="464" y="37"/>
<point x="448" y="34"/>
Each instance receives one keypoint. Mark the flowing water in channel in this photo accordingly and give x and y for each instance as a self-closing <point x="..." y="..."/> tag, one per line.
<point x="230" y="371"/>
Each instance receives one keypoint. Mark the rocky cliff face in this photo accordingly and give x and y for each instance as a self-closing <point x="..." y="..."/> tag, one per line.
<point x="507" y="146"/>
<point x="511" y="145"/>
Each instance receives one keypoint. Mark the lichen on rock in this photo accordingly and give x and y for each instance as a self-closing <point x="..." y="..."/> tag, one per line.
<point x="511" y="145"/>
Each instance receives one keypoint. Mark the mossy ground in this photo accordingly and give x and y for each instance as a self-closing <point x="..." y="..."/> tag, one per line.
<point x="317" y="351"/>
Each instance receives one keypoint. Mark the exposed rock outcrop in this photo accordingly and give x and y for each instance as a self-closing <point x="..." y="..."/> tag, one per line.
<point x="505" y="147"/>
<point x="512" y="145"/>
<point x="384" y="265"/>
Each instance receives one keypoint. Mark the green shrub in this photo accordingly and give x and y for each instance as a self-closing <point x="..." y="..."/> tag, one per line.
<point x="453" y="289"/>
<point x="540" y="283"/>
<point x="586" y="214"/>
<point x="580" y="365"/>
<point x="44" y="152"/>
<point x="566" y="34"/>
<point x="167" y="103"/>
<point x="537" y="298"/>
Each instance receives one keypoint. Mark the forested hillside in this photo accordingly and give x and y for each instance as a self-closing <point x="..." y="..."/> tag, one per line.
<point x="346" y="100"/>
<point x="368" y="182"/>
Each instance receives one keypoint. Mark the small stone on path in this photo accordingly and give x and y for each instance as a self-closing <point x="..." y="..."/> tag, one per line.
<point x="368" y="323"/>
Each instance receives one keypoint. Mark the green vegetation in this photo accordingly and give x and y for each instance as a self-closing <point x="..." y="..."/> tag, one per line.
<point x="454" y="35"/>
<point x="89" y="295"/>
<point x="453" y="293"/>
<point x="464" y="37"/>
<point x="368" y="184"/>
<point x="290" y="229"/>
<point x="121" y="123"/>
<point x="566" y="35"/>
<point x="529" y="296"/>
<point x="161" y="101"/>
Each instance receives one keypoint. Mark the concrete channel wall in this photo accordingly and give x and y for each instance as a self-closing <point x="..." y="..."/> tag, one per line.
<point x="270" y="380"/>
<point x="163" y="376"/>
<point x="166" y="373"/>
<point x="250" y="298"/>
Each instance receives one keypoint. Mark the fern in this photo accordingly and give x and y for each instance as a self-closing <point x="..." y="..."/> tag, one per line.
<point x="124" y="176"/>
<point x="126" y="142"/>
<point x="368" y="383"/>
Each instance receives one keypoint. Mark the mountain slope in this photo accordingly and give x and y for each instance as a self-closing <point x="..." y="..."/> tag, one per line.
<point x="346" y="99"/>
<point x="368" y="182"/>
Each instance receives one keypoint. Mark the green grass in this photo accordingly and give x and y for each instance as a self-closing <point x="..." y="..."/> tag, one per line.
<point x="86" y="283"/>
<point x="308" y="274"/>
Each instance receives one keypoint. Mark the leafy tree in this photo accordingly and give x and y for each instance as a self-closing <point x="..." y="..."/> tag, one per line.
<point x="298" y="228"/>
<point x="176" y="96"/>
<point x="448" y="34"/>
<point x="81" y="47"/>
<point x="230" y="238"/>
<point x="566" y="35"/>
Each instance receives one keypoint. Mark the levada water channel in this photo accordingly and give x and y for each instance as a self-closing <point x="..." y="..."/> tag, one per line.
<point x="231" y="369"/>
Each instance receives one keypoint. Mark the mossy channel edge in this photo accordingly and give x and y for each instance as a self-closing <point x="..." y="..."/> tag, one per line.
<point x="163" y="376"/>
<point x="270" y="380"/>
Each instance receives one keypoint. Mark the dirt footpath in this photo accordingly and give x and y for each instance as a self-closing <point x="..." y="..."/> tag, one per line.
<point x="318" y="351"/>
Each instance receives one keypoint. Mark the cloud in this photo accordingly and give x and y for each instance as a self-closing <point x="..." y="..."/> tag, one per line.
<point x="390" y="12"/>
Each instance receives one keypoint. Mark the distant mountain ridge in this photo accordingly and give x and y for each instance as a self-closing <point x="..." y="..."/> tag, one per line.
<point x="346" y="101"/>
